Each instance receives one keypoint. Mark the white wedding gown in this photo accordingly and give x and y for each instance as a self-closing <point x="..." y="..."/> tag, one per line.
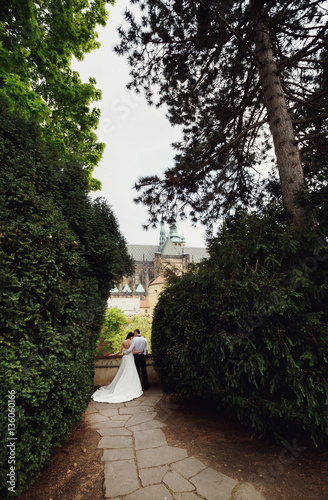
<point x="125" y="386"/>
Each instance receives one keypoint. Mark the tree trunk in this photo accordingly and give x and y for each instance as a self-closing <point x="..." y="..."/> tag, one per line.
<point x="281" y="127"/>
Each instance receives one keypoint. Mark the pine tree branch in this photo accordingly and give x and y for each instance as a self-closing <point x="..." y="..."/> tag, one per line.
<point x="240" y="38"/>
<point x="311" y="136"/>
<point x="314" y="145"/>
<point x="238" y="137"/>
<point x="305" y="51"/>
<point x="310" y="119"/>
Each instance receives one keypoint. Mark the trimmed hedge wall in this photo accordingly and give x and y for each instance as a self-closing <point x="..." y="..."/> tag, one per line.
<point x="249" y="327"/>
<point x="59" y="256"/>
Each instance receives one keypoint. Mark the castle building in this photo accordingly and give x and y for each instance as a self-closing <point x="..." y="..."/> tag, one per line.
<point x="150" y="262"/>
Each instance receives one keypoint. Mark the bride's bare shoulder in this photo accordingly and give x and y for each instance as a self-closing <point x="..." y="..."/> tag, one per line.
<point x="127" y="343"/>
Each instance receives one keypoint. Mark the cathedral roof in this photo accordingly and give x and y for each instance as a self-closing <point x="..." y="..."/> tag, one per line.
<point x="169" y="248"/>
<point x="196" y="254"/>
<point x="147" y="252"/>
<point x="143" y="252"/>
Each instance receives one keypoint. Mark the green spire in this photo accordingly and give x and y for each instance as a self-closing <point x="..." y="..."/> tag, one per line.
<point x="162" y="237"/>
<point x="174" y="237"/>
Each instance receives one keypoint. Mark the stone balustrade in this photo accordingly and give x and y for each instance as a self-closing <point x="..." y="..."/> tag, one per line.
<point x="107" y="366"/>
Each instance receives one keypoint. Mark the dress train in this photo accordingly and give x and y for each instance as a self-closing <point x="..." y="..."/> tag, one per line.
<point x="125" y="386"/>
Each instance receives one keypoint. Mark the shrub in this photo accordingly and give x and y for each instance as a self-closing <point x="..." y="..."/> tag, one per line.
<point x="112" y="333"/>
<point x="117" y="326"/>
<point x="143" y="323"/>
<point x="59" y="256"/>
<point x="249" y="326"/>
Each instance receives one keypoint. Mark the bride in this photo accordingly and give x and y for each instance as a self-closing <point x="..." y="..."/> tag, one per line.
<point x="126" y="384"/>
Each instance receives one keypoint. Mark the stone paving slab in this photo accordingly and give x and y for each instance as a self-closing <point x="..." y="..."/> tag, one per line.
<point x="120" y="418"/>
<point x="213" y="485"/>
<point x="188" y="496"/>
<point x="153" y="475"/>
<point x="106" y="425"/>
<point x="134" y="402"/>
<point x="189" y="467"/>
<point x="91" y="409"/>
<point x="118" y="454"/>
<point x="177" y="483"/>
<point x="151" y="438"/>
<point x="139" y="465"/>
<point x="151" y="424"/>
<point x="114" y="431"/>
<point x="96" y="419"/>
<point x="152" y="400"/>
<point x="141" y="418"/>
<point x="109" y="412"/>
<point x="156" y="492"/>
<point x="135" y="410"/>
<point x="106" y="406"/>
<point x="159" y="456"/>
<point x="120" y="478"/>
<point x="111" y="442"/>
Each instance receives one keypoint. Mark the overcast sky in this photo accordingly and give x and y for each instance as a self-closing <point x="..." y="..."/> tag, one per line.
<point x="138" y="137"/>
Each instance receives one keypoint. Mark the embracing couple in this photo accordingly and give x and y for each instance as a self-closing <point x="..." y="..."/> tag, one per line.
<point x="139" y="347"/>
<point x="127" y="384"/>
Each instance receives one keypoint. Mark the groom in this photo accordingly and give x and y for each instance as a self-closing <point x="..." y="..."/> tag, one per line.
<point x="140" y="344"/>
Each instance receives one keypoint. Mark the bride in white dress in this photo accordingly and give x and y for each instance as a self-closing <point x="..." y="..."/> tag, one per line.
<point x="126" y="384"/>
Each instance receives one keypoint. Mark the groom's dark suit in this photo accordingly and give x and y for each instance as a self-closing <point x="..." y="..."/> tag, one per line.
<point x="140" y="343"/>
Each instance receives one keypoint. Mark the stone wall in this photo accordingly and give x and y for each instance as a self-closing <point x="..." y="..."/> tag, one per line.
<point x="106" y="368"/>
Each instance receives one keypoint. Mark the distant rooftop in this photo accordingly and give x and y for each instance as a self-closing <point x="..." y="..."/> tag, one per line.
<point x="160" y="279"/>
<point x="169" y="244"/>
<point x="143" y="252"/>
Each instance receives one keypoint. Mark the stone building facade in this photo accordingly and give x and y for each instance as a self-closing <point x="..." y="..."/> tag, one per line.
<point x="151" y="260"/>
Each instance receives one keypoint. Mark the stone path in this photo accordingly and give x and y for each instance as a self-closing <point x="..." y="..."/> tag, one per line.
<point x="139" y="465"/>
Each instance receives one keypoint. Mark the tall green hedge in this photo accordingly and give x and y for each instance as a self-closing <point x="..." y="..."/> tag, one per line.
<point x="59" y="256"/>
<point x="249" y="327"/>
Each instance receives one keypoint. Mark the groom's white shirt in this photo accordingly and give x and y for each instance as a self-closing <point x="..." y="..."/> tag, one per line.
<point x="140" y="343"/>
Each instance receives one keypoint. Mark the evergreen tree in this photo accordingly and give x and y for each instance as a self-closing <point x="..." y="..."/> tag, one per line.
<point x="240" y="77"/>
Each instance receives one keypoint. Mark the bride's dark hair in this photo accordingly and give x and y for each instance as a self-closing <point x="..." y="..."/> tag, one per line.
<point x="129" y="335"/>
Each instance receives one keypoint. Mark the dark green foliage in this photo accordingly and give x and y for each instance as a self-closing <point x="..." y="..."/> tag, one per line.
<point x="59" y="256"/>
<point x="250" y="326"/>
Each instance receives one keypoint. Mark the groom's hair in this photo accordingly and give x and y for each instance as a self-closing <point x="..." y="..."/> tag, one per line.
<point x="137" y="330"/>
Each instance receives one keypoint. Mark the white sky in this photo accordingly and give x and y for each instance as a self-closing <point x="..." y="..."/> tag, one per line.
<point x="138" y="137"/>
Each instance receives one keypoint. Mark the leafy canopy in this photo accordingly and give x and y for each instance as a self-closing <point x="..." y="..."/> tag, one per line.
<point x="37" y="43"/>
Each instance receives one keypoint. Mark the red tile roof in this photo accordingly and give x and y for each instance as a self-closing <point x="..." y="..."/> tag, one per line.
<point x="159" y="279"/>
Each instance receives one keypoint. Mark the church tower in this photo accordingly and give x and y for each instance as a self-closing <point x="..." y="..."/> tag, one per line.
<point x="174" y="236"/>
<point x="162" y="237"/>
